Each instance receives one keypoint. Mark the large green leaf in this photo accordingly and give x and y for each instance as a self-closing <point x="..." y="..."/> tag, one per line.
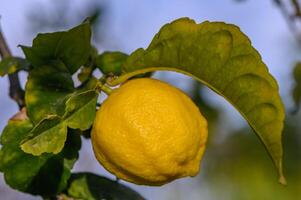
<point x="89" y="186"/>
<point x="72" y="47"/>
<point x="297" y="87"/>
<point x="10" y="65"/>
<point x="222" y="57"/>
<point x="49" y="135"/>
<point x="44" y="175"/>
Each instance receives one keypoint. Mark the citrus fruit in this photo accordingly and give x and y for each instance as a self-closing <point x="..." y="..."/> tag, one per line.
<point x="149" y="132"/>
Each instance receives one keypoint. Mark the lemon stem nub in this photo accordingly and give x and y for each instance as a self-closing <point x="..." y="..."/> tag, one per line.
<point x="104" y="88"/>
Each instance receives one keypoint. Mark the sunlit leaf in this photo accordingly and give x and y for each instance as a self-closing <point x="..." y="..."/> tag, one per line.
<point x="89" y="186"/>
<point x="221" y="57"/>
<point x="48" y="136"/>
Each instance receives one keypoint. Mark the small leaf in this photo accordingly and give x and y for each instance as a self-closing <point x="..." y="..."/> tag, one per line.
<point x="81" y="106"/>
<point x="89" y="186"/>
<point x="47" y="90"/>
<point x="71" y="47"/>
<point x="43" y="48"/>
<point x="10" y="65"/>
<point x="220" y="56"/>
<point x="44" y="175"/>
<point x="48" y="136"/>
<point x="110" y="62"/>
<point x="297" y="87"/>
<point x="81" y="110"/>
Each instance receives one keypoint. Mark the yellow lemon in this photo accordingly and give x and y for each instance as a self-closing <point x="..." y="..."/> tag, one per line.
<point x="149" y="132"/>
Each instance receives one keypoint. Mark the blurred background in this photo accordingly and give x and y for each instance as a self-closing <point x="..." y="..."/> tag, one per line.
<point x="236" y="165"/>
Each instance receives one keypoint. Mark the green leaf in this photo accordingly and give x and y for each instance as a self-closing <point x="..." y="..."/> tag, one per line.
<point x="44" y="175"/>
<point x="85" y="73"/>
<point x="57" y="170"/>
<point x="10" y="65"/>
<point x="48" y="136"/>
<point x="220" y="56"/>
<point x="43" y="48"/>
<point x="111" y="62"/>
<point x="297" y="87"/>
<point x="81" y="110"/>
<point x="89" y="186"/>
<point x="47" y="90"/>
<point x="71" y="47"/>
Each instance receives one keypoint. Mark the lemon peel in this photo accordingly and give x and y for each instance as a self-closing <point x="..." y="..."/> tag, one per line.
<point x="149" y="132"/>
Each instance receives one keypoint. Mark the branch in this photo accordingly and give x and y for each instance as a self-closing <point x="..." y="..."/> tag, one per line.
<point x="296" y="6"/>
<point x="15" y="90"/>
<point x="289" y="19"/>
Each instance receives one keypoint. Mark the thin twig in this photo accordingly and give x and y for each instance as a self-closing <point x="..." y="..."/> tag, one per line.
<point x="15" y="90"/>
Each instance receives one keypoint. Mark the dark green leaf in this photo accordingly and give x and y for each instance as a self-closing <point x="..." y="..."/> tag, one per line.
<point x="44" y="175"/>
<point x="89" y="186"/>
<point x="110" y="62"/>
<point x="12" y="64"/>
<point x="71" y="47"/>
<point x="47" y="90"/>
<point x="43" y="48"/>
<point x="297" y="88"/>
<point x="220" y="56"/>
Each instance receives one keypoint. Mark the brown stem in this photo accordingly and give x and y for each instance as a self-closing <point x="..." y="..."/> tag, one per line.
<point x="296" y="6"/>
<point x="15" y="90"/>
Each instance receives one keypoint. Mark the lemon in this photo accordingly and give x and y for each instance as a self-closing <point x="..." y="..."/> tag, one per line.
<point x="149" y="132"/>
